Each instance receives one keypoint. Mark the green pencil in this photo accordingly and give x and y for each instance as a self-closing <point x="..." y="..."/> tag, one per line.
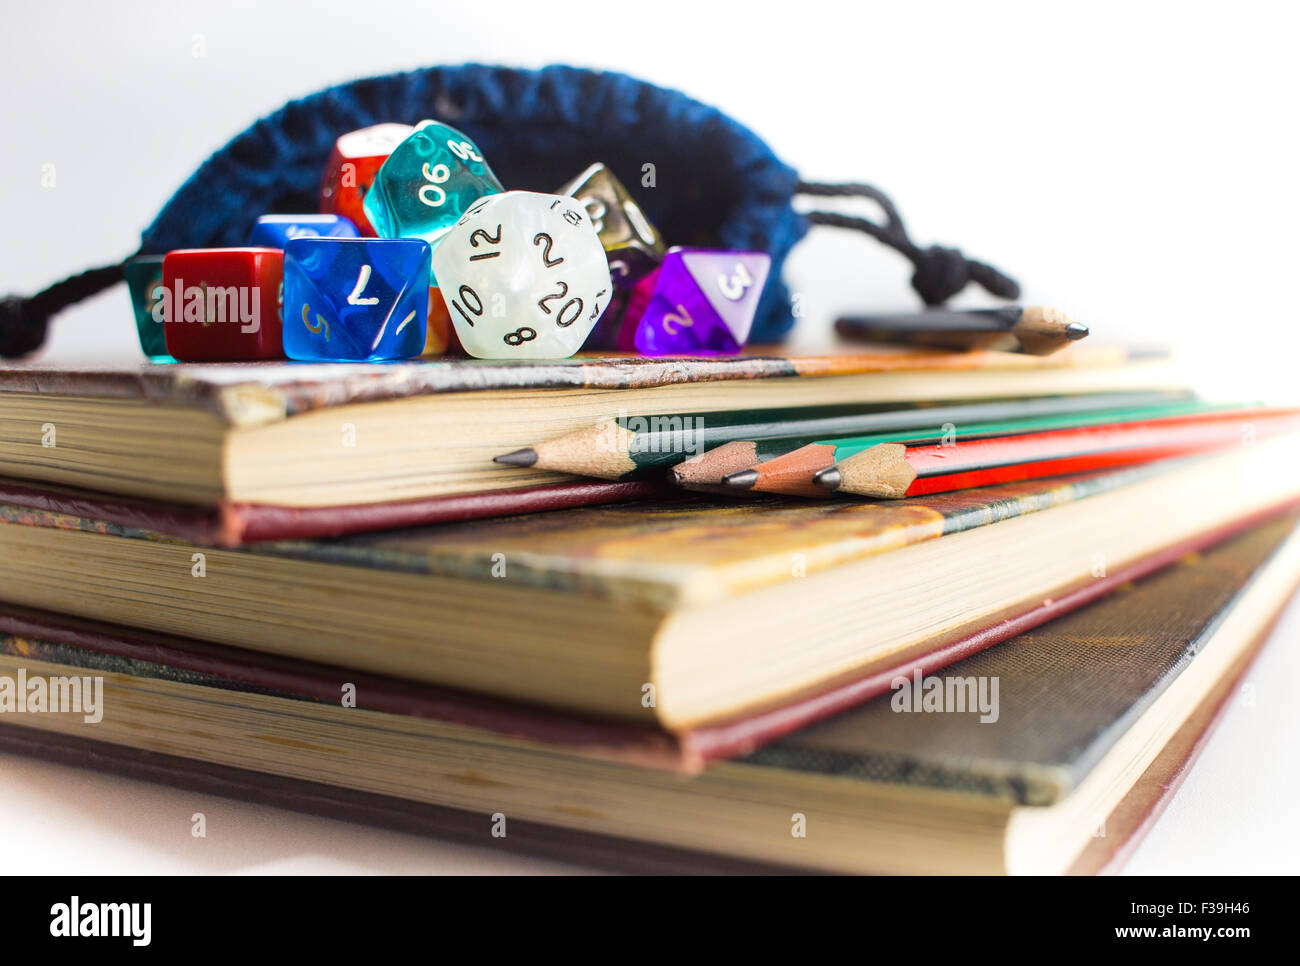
<point x="632" y="446"/>
<point x="792" y="472"/>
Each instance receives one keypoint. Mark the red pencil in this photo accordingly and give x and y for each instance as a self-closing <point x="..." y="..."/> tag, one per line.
<point x="896" y="470"/>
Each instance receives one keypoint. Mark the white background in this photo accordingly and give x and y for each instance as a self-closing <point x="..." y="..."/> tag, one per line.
<point x="1135" y="164"/>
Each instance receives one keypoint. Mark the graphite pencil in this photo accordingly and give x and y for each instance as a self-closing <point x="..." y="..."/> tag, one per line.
<point x="632" y="446"/>
<point x="1035" y="330"/>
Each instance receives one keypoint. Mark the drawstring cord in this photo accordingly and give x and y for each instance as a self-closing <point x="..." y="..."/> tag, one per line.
<point x="23" y="321"/>
<point x="940" y="273"/>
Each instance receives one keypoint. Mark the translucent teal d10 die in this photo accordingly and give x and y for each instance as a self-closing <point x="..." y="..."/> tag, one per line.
<point x="355" y="299"/>
<point x="427" y="183"/>
<point x="144" y="282"/>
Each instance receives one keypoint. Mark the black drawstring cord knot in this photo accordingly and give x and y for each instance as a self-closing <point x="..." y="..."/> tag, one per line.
<point x="24" y="321"/>
<point x="940" y="273"/>
<point x="22" y="327"/>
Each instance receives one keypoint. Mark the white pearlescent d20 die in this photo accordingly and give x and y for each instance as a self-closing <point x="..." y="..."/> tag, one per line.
<point x="524" y="276"/>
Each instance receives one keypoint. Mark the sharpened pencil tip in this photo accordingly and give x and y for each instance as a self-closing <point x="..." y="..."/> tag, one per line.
<point x="520" y="457"/>
<point x="829" y="477"/>
<point x="1075" y="331"/>
<point x="741" y="480"/>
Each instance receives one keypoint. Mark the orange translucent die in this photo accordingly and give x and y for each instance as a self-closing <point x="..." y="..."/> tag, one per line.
<point x="356" y="159"/>
<point x="440" y="337"/>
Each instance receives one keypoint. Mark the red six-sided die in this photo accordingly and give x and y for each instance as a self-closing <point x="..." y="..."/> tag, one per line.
<point x="222" y="304"/>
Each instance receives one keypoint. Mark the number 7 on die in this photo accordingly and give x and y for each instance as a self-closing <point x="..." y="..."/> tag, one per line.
<point x="355" y="300"/>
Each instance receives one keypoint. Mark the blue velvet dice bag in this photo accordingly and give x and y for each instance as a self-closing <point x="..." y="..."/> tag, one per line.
<point x="716" y="183"/>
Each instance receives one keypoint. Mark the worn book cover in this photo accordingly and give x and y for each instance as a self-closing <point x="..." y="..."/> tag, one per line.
<point x="228" y="524"/>
<point x="254" y="392"/>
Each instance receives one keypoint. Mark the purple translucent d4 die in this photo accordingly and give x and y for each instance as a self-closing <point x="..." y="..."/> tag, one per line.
<point x="702" y="302"/>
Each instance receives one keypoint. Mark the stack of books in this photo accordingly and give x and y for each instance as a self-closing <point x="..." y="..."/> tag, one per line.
<point x="313" y="586"/>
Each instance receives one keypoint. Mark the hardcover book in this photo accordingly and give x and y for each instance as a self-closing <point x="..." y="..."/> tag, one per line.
<point x="248" y="438"/>
<point x="1047" y="753"/>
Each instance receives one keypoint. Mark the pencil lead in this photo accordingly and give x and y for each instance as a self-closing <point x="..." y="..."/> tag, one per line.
<point x="520" y="457"/>
<point x="1075" y="331"/>
<point x="829" y="477"/>
<point x="741" y="480"/>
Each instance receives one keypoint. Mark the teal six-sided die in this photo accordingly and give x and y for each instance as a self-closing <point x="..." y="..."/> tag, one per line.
<point x="355" y="299"/>
<point x="144" y="282"/>
<point x="427" y="183"/>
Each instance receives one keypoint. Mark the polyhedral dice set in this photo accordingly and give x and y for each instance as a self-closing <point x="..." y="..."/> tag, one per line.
<point x="419" y="250"/>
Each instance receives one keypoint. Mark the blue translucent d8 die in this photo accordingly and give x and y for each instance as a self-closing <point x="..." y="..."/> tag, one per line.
<point x="355" y="299"/>
<point x="426" y="184"/>
<point x="273" y="231"/>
